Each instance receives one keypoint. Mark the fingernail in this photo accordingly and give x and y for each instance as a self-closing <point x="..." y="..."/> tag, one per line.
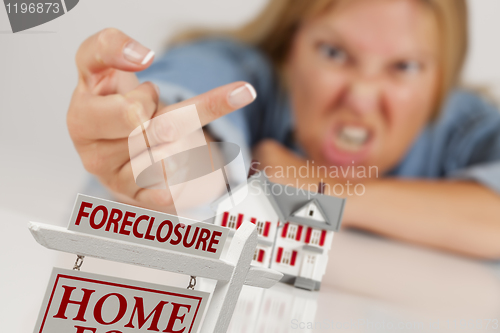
<point x="242" y="96"/>
<point x="137" y="53"/>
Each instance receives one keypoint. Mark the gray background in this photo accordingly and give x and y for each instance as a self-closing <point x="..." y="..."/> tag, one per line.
<point x="40" y="172"/>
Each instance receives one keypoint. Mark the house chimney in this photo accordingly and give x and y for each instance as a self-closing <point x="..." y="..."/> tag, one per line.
<point x="253" y="168"/>
<point x="321" y="188"/>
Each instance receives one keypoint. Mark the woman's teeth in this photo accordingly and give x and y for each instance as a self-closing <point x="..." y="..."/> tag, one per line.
<point x="351" y="138"/>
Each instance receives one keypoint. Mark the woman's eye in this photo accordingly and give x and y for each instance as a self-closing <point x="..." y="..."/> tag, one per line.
<point x="408" y="67"/>
<point x="333" y="52"/>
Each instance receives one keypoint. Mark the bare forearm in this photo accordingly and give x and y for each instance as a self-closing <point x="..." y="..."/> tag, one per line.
<point x="462" y="217"/>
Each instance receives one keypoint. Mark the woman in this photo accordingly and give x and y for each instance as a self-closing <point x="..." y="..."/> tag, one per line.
<point x="341" y="83"/>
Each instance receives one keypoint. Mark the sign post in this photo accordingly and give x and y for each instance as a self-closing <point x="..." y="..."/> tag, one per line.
<point x="186" y="250"/>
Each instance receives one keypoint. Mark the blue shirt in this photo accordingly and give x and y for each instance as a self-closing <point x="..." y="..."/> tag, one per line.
<point x="464" y="142"/>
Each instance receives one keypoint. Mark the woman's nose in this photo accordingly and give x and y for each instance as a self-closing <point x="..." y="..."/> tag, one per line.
<point x="362" y="96"/>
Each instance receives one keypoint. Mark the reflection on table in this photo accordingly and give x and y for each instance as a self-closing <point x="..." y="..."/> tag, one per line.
<point x="376" y="285"/>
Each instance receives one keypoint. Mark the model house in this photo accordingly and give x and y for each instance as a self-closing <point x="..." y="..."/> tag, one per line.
<point x="295" y="227"/>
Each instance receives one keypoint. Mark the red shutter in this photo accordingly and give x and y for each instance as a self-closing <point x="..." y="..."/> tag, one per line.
<point x="240" y="220"/>
<point x="261" y="256"/>
<point x="285" y="230"/>
<point x="308" y="235"/>
<point x="299" y="233"/>
<point x="224" y="219"/>
<point x="322" y="239"/>
<point x="253" y="220"/>
<point x="279" y="254"/>
<point x="266" y="229"/>
<point x="294" y="256"/>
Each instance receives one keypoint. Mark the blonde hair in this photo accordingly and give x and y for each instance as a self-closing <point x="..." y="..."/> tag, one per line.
<point x="272" y="32"/>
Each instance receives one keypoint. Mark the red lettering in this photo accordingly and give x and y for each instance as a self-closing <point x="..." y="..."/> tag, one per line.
<point x="186" y="235"/>
<point x="175" y="316"/>
<point x="148" y="232"/>
<point x="103" y="220"/>
<point x="136" y="226"/>
<point x="160" y="227"/>
<point x="121" y="311"/>
<point x="126" y="223"/>
<point x="81" y="329"/>
<point x="156" y="313"/>
<point x="204" y="236"/>
<point x="80" y="316"/>
<point x="81" y="212"/>
<point x="115" y="216"/>
<point x="177" y="233"/>
<point x="213" y="241"/>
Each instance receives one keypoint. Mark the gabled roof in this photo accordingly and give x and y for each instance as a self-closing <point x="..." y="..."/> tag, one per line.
<point x="306" y="204"/>
<point x="286" y="200"/>
<point x="331" y="207"/>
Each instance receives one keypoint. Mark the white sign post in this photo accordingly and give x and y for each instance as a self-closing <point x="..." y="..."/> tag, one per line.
<point x="231" y="273"/>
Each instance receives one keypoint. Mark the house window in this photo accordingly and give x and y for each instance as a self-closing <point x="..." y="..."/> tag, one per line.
<point x="260" y="227"/>
<point x="287" y="255"/>
<point x="258" y="255"/>
<point x="315" y="237"/>
<point x="232" y="222"/>
<point x="311" y="259"/>
<point x="311" y="210"/>
<point x="292" y="231"/>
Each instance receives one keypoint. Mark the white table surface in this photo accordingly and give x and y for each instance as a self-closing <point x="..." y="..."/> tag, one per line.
<point x="372" y="285"/>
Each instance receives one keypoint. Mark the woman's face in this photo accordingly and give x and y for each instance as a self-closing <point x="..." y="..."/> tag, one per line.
<point x="363" y="79"/>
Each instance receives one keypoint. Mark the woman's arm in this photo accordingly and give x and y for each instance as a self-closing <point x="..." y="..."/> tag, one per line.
<point x="458" y="216"/>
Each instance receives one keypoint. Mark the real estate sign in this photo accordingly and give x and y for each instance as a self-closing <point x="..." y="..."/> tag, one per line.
<point x="77" y="302"/>
<point x="147" y="227"/>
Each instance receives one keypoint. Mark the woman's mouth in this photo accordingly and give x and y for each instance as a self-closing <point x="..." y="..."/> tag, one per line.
<point x="351" y="138"/>
<point x="348" y="144"/>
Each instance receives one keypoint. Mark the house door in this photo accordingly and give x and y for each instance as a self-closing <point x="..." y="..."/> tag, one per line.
<point x="308" y="264"/>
